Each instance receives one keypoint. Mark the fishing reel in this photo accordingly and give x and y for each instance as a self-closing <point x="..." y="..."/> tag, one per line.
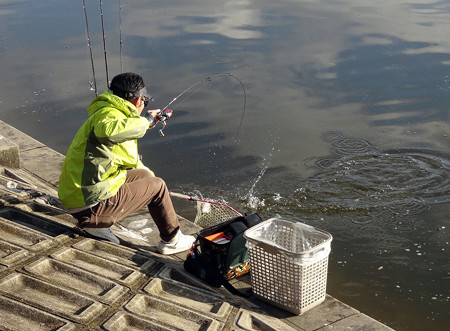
<point x="161" y="117"/>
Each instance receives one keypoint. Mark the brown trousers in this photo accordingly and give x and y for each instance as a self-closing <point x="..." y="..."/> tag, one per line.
<point x="139" y="190"/>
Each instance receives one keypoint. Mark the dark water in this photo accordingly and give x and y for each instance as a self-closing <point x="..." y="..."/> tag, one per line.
<point x="346" y="124"/>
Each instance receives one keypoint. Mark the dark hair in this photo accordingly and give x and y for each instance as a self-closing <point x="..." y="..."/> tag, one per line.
<point x="123" y="85"/>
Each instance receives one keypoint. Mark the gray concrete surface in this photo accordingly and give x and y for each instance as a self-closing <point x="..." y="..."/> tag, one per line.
<point x="55" y="277"/>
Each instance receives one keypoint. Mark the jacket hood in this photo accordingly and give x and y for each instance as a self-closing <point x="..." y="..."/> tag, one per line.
<point x="107" y="99"/>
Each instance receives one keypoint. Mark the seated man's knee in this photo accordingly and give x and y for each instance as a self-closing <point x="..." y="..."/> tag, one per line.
<point x="157" y="181"/>
<point x="146" y="173"/>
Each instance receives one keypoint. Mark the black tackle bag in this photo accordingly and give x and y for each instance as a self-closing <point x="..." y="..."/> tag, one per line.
<point x="220" y="254"/>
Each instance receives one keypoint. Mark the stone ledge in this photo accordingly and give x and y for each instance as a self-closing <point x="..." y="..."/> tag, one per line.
<point x="9" y="153"/>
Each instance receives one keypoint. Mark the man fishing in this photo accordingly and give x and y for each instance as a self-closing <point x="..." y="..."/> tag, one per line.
<point x="103" y="179"/>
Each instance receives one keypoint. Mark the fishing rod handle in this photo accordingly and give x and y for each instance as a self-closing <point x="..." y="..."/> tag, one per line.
<point x="181" y="196"/>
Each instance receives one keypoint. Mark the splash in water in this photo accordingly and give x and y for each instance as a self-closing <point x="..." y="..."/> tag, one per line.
<point x="251" y="200"/>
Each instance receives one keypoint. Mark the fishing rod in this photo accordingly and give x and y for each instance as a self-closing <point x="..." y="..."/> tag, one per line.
<point x="89" y="44"/>
<point x="104" y="43"/>
<point x="120" y="36"/>
<point x="90" y="47"/>
<point x="165" y="113"/>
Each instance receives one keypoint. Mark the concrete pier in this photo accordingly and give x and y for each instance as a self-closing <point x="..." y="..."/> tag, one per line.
<point x="55" y="277"/>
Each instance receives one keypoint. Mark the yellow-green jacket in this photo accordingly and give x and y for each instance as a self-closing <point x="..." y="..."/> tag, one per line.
<point x="103" y="149"/>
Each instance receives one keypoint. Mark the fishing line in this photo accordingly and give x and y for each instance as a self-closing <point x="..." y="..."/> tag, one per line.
<point x="209" y="79"/>
<point x="243" y="111"/>
<point x="185" y="98"/>
<point x="90" y="48"/>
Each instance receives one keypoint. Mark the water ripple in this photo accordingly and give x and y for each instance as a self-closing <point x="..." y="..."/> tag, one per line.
<point x="321" y="162"/>
<point x="406" y="181"/>
<point x="348" y="146"/>
<point x="331" y="136"/>
<point x="351" y="289"/>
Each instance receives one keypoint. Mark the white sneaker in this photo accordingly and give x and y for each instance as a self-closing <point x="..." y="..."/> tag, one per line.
<point x="104" y="233"/>
<point x="178" y="244"/>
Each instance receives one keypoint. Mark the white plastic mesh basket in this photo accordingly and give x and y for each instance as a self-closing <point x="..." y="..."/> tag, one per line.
<point x="289" y="262"/>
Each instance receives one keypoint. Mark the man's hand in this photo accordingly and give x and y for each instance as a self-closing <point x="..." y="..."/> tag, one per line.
<point x="152" y="117"/>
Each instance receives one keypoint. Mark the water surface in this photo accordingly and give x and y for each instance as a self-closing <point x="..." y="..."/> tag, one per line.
<point x="346" y="124"/>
